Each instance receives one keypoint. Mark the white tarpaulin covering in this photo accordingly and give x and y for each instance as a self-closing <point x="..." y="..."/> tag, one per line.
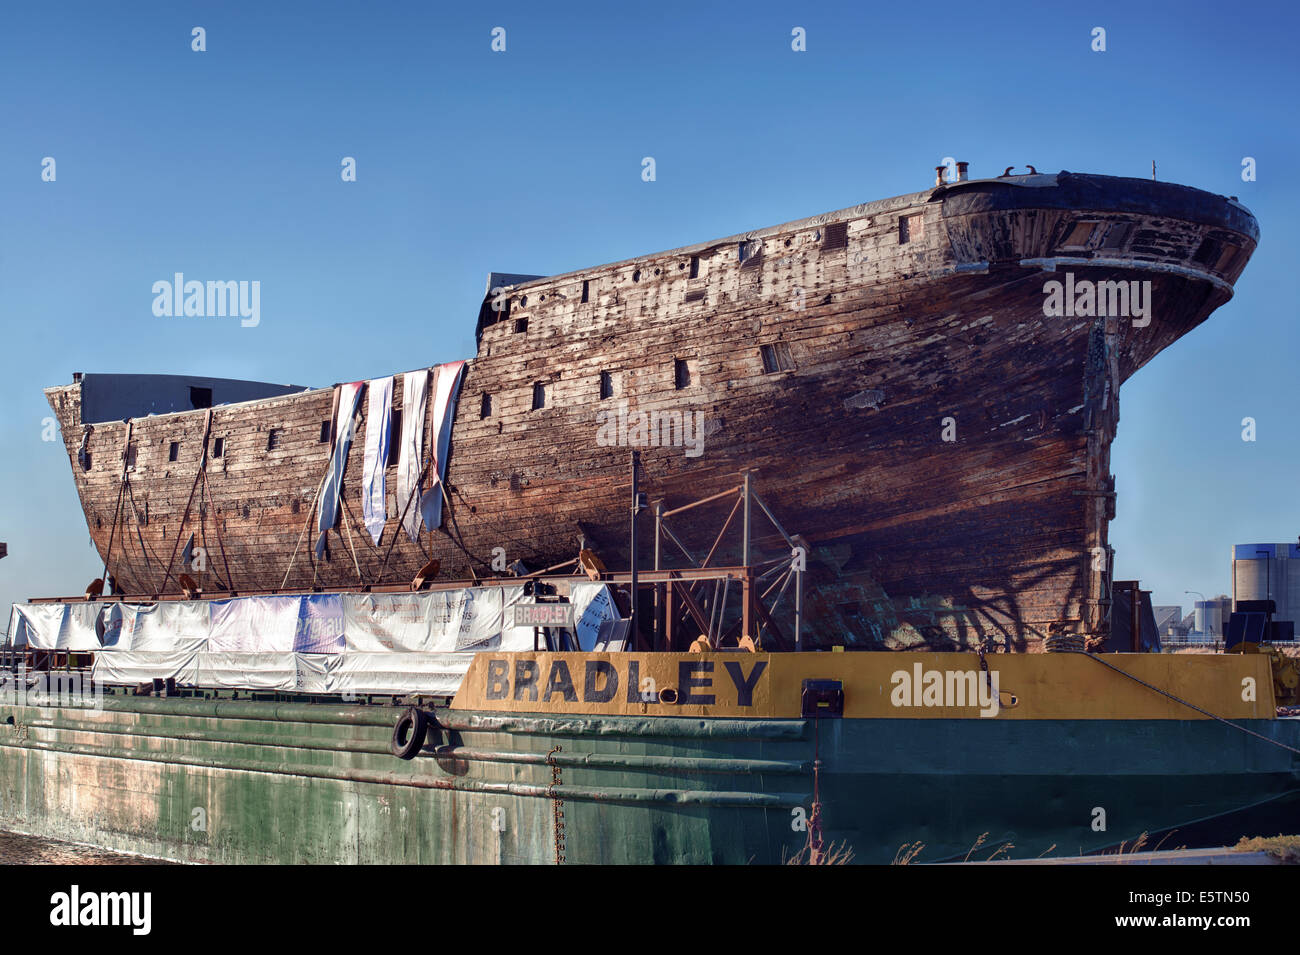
<point x="311" y="643"/>
<point x="311" y="623"/>
<point x="253" y="624"/>
<point x="141" y="666"/>
<point x="435" y="673"/>
<point x="355" y="673"/>
<point x="161" y="626"/>
<point x="71" y="626"/>
<point x="254" y="671"/>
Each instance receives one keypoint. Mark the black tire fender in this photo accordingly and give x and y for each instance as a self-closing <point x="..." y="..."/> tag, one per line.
<point x="409" y="733"/>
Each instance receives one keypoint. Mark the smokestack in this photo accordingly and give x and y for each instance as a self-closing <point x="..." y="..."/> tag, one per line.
<point x="961" y="171"/>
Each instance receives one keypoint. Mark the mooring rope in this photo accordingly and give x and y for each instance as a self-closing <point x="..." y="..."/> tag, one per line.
<point x="216" y="522"/>
<point x="1193" y="706"/>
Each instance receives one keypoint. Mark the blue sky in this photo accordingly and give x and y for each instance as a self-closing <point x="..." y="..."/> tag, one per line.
<point x="225" y="164"/>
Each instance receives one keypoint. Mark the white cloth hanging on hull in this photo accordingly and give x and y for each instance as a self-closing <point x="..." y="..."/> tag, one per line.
<point x="415" y="389"/>
<point x="446" y="387"/>
<point x="349" y="399"/>
<point x="420" y="482"/>
<point x="379" y="418"/>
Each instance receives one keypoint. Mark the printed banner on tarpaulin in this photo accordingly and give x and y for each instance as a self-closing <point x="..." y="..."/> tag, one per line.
<point x="328" y="510"/>
<point x="379" y="412"/>
<point x="444" y="621"/>
<point x="310" y="623"/>
<point x="320" y="624"/>
<point x="445" y="389"/>
<point x="415" y="391"/>
<point x="594" y="605"/>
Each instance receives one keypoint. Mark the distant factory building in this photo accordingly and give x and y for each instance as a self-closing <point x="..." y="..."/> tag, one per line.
<point x="1168" y="620"/>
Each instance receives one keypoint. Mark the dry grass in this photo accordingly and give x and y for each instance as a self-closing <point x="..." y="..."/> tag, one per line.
<point x="831" y="855"/>
<point x="1283" y="848"/>
<point x="999" y="850"/>
<point x="983" y="837"/>
<point x="1138" y="843"/>
<point x="906" y="853"/>
<point x="978" y="842"/>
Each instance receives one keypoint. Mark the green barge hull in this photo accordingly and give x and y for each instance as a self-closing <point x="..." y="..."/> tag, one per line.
<point x="241" y="781"/>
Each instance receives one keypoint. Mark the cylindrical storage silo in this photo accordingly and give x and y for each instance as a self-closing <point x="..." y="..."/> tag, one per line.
<point x="1252" y="566"/>
<point x="1265" y="572"/>
<point x="1212" y="617"/>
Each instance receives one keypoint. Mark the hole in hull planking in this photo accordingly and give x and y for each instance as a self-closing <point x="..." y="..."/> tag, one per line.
<point x="776" y="357"/>
<point x="394" y="437"/>
<point x="681" y="373"/>
<point x="910" y="228"/>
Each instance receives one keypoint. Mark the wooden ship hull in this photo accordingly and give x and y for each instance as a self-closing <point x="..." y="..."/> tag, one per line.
<point x="887" y="371"/>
